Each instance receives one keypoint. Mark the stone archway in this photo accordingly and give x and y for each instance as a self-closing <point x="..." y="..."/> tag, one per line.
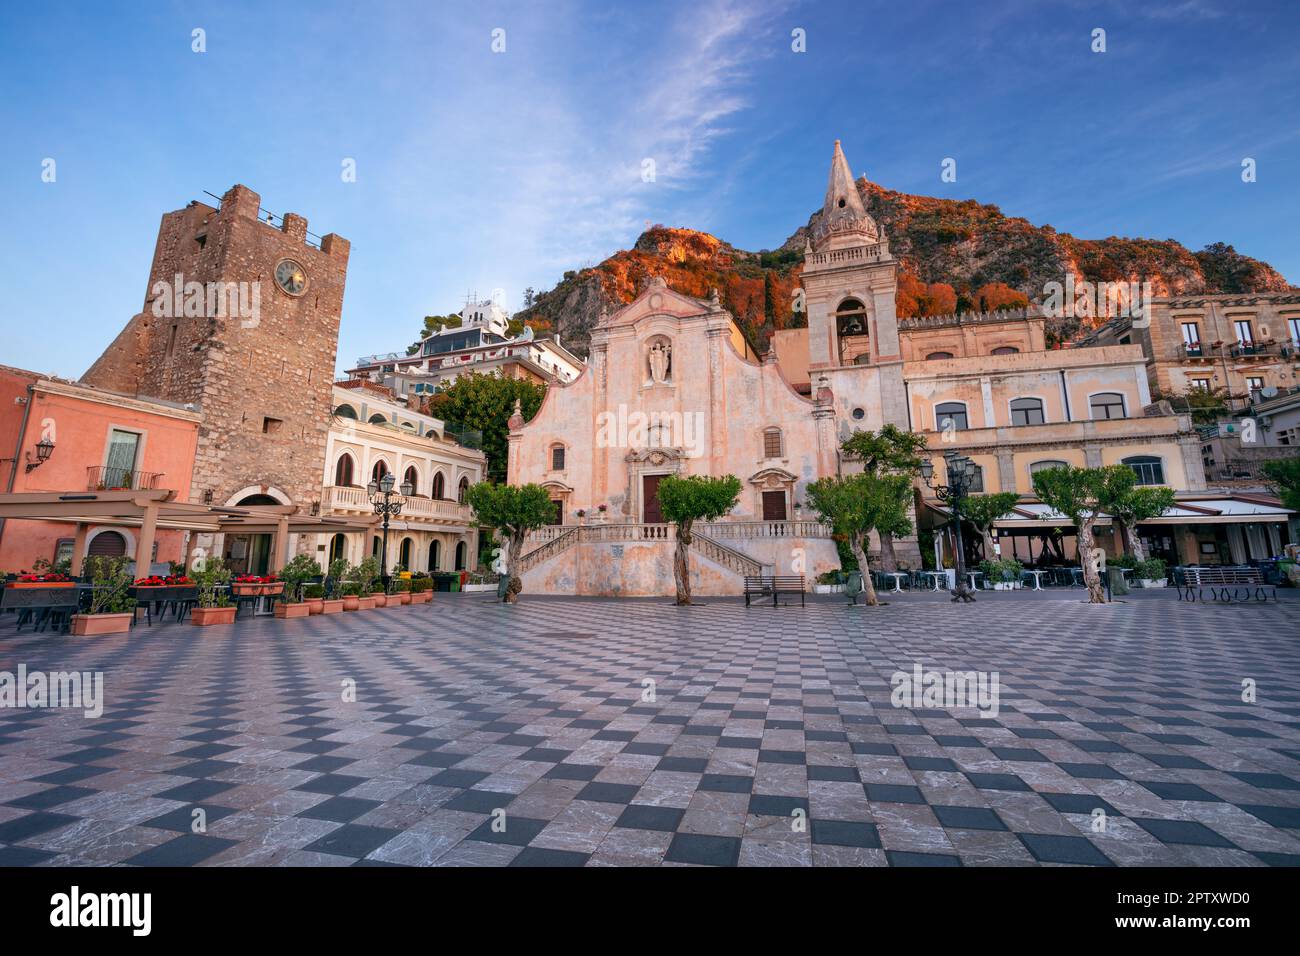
<point x="251" y="553"/>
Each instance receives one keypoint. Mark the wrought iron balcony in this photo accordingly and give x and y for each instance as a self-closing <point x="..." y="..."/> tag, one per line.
<point x="104" y="478"/>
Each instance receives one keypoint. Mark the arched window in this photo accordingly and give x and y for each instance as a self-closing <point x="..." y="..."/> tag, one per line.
<point x="412" y="475"/>
<point x="435" y="555"/>
<point x="379" y="470"/>
<point x="1005" y="350"/>
<point x="1046" y="463"/>
<point x="935" y="356"/>
<point x="404" y="553"/>
<point x="343" y="471"/>
<point x="951" y="415"/>
<point x="1027" y="411"/>
<point x="461" y="552"/>
<point x="338" y="547"/>
<point x="345" y="411"/>
<point x="557" y="457"/>
<point x="1150" y="469"/>
<point x="439" y="486"/>
<point x="462" y="491"/>
<point x="1107" y="405"/>
<point x="851" y="318"/>
<point x="773" y="446"/>
<point x="378" y="420"/>
<point x="107" y="544"/>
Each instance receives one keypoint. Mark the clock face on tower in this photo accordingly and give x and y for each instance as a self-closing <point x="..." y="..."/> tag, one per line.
<point x="291" y="277"/>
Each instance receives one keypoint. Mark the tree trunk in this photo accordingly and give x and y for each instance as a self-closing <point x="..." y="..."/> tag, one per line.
<point x="1132" y="542"/>
<point x="514" y="549"/>
<point x="888" y="562"/>
<point x="1096" y="591"/>
<point x="681" y="563"/>
<point x="989" y="553"/>
<point x="859" y="552"/>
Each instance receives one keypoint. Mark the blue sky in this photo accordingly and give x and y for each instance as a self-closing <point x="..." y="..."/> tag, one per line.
<point x="482" y="170"/>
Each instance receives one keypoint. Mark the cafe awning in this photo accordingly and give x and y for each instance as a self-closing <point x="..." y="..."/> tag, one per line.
<point x="1190" y="509"/>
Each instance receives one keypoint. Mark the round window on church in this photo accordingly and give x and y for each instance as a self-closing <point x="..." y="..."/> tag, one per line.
<point x="859" y="414"/>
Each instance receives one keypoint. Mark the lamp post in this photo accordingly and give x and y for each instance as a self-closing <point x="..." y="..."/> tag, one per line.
<point x="381" y="496"/>
<point x="960" y="474"/>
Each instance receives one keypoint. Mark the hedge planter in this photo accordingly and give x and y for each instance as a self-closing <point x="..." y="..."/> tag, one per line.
<point x="23" y="585"/>
<point x="315" y="605"/>
<point x="403" y="597"/>
<point x="1156" y="583"/>
<point x="332" y="606"/>
<point x="828" y="589"/>
<point x="351" y="603"/>
<point x="380" y="599"/>
<point x="421" y="597"/>
<point x="1004" y="585"/>
<point x="256" y="590"/>
<point x="92" y="625"/>
<point x="365" y="603"/>
<point x="207" y="616"/>
<point x="283" y="609"/>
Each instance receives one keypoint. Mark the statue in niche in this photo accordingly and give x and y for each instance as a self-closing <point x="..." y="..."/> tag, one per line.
<point x="661" y="362"/>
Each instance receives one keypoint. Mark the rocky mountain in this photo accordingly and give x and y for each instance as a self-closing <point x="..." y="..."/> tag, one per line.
<point x="955" y="255"/>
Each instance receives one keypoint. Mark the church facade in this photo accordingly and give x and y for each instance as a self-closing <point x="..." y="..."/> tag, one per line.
<point x="672" y="386"/>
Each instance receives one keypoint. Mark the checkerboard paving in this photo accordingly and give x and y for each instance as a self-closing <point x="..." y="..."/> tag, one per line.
<point x="484" y="735"/>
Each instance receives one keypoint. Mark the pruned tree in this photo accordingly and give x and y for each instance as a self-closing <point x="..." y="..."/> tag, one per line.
<point x="1138" y="505"/>
<point x="890" y="451"/>
<point x="687" y="500"/>
<point x="856" y="505"/>
<point x="983" y="511"/>
<point x="1083" y="495"/>
<point x="512" y="511"/>
<point x="1284" y="477"/>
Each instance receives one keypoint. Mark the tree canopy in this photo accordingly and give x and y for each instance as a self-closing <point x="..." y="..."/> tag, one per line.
<point x="697" y="497"/>
<point x="1284" y="475"/>
<point x="484" y="403"/>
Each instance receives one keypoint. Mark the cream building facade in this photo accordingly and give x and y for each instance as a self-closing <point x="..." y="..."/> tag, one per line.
<point x="372" y="435"/>
<point x="983" y="385"/>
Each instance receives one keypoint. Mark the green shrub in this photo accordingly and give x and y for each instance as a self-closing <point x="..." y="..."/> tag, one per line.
<point x="209" y="574"/>
<point x="296" y="573"/>
<point x="111" y="581"/>
<point x="366" y="574"/>
<point x="1152" y="569"/>
<point x="1002" y="569"/>
<point x="421" y="583"/>
<point x="314" y="591"/>
<point x="830" y="577"/>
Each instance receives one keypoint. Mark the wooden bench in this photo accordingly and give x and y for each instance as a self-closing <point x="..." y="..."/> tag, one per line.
<point x="774" y="585"/>
<point x="1225" y="584"/>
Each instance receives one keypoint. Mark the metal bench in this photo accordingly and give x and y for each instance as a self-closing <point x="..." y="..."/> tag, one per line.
<point x="1225" y="584"/>
<point x="774" y="585"/>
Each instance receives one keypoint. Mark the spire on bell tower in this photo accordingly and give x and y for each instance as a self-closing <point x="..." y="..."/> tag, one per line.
<point x="843" y="212"/>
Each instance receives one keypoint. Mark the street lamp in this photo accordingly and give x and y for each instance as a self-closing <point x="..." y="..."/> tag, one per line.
<point x="381" y="496"/>
<point x="961" y="472"/>
<point x="44" y="449"/>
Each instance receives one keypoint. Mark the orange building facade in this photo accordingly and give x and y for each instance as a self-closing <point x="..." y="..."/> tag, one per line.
<point x="58" y="436"/>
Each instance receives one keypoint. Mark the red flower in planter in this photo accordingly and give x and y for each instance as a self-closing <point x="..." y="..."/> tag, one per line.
<point x="27" y="577"/>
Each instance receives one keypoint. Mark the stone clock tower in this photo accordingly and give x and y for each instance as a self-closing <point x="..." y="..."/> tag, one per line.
<point x="240" y="320"/>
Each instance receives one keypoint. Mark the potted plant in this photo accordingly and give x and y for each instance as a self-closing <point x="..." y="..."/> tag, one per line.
<point x="214" y="604"/>
<point x="313" y="596"/>
<point x="295" y="575"/>
<point x="366" y="574"/>
<point x="256" y="585"/>
<point x="350" y="594"/>
<point x="1151" y="572"/>
<point x="1002" y="573"/>
<point x="112" y="609"/>
<point x="829" y="582"/>
<point x="421" y="589"/>
<point x="399" y="591"/>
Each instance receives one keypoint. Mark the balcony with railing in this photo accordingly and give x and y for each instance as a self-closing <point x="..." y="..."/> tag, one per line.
<point x="348" y="500"/>
<point x="105" y="478"/>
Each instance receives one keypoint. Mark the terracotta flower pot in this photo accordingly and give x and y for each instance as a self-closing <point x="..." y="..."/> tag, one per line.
<point x="90" y="625"/>
<point x="380" y="598"/>
<point x="315" y="605"/>
<point x="283" y="609"/>
<point x="403" y="597"/>
<point x="334" y="606"/>
<point x="207" y="616"/>
<point x="351" y="603"/>
<point x="366" y="603"/>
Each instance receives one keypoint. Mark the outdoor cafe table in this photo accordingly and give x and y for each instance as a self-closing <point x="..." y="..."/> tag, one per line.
<point x="974" y="578"/>
<point x="935" y="577"/>
<point x="898" y="580"/>
<point x="1038" y="578"/>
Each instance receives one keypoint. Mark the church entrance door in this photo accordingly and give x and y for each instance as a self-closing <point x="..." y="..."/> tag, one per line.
<point x="650" y="510"/>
